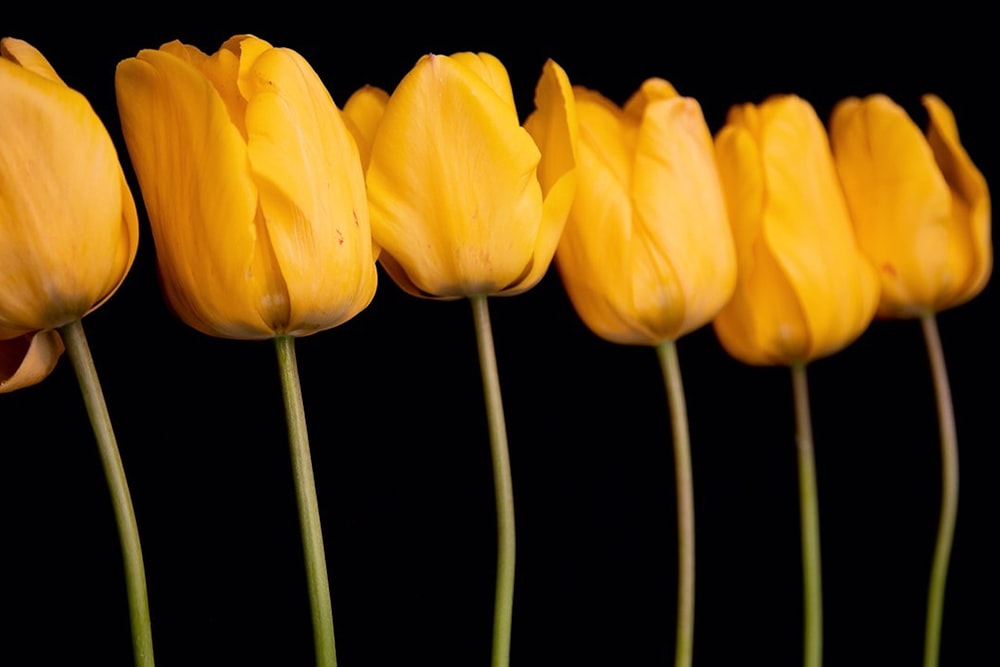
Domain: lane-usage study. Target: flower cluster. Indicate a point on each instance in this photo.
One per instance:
(271, 209)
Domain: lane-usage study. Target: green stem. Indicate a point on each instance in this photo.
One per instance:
(305, 491)
(809, 512)
(667, 352)
(128, 531)
(503, 606)
(949, 491)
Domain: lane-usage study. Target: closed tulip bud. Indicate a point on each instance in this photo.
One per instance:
(647, 253)
(253, 185)
(921, 209)
(463, 201)
(68, 224)
(803, 290)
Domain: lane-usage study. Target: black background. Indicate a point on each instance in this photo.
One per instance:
(398, 431)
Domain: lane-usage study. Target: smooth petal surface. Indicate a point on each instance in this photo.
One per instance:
(455, 201)
(804, 290)
(555, 128)
(28, 359)
(68, 223)
(916, 228)
(363, 113)
(647, 254)
(312, 191)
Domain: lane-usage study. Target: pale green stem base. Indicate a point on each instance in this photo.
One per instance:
(809, 512)
(949, 491)
(667, 352)
(305, 491)
(135, 575)
(503, 606)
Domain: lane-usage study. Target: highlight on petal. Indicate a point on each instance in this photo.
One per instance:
(28, 359)
(75, 213)
(452, 183)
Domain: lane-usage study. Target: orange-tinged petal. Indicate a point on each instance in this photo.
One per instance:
(804, 289)
(28, 359)
(68, 223)
(217, 269)
(312, 191)
(971, 208)
(454, 197)
(555, 128)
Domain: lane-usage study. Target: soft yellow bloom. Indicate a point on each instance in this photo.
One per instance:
(253, 185)
(647, 253)
(463, 201)
(27, 359)
(804, 290)
(921, 209)
(68, 224)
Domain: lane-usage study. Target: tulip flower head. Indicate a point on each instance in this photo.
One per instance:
(804, 290)
(253, 185)
(463, 201)
(68, 223)
(920, 207)
(647, 253)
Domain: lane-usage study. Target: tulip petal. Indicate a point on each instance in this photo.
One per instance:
(63, 195)
(312, 191)
(218, 273)
(28, 359)
(970, 196)
(555, 128)
(452, 182)
(363, 113)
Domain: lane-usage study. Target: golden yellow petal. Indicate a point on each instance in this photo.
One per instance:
(452, 182)
(28, 359)
(651, 90)
(363, 113)
(972, 219)
(808, 230)
(312, 191)
(899, 202)
(192, 166)
(555, 128)
(27, 56)
(684, 259)
(68, 224)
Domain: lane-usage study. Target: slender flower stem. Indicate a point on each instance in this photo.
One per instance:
(305, 491)
(135, 575)
(667, 352)
(949, 491)
(808, 508)
(503, 606)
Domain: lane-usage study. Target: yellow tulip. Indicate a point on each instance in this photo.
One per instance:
(463, 202)
(803, 290)
(68, 224)
(921, 209)
(253, 185)
(647, 253)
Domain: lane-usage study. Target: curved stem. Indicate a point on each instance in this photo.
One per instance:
(135, 576)
(667, 352)
(949, 491)
(503, 606)
(808, 508)
(305, 492)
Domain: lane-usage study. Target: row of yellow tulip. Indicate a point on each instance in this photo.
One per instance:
(269, 206)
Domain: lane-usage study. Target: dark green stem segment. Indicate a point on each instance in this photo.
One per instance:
(305, 492)
(667, 352)
(503, 606)
(949, 491)
(809, 512)
(135, 575)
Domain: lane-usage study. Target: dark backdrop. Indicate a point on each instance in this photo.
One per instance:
(398, 431)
